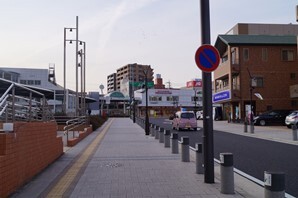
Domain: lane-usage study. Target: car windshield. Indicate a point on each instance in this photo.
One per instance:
(187, 115)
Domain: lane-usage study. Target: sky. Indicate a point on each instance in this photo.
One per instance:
(162, 33)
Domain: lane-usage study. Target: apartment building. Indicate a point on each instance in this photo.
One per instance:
(131, 73)
(250, 64)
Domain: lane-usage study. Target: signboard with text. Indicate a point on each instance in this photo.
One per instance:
(220, 96)
(194, 83)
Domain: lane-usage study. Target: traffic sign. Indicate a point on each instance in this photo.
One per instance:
(207, 58)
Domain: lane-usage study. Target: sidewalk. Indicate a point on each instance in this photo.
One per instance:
(118, 160)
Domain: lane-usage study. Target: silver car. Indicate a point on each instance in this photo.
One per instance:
(292, 119)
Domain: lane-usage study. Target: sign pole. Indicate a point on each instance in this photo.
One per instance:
(207, 100)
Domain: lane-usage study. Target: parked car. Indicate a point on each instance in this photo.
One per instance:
(184, 120)
(272, 117)
(292, 119)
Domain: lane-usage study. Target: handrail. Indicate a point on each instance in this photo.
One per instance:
(73, 124)
(6, 92)
(25, 108)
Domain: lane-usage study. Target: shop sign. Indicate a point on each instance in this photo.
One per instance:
(194, 83)
(163, 92)
(224, 95)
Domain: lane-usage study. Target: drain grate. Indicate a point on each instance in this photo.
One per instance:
(110, 165)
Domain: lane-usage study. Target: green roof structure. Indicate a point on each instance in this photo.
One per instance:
(223, 40)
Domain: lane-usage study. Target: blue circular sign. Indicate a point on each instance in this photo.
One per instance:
(207, 58)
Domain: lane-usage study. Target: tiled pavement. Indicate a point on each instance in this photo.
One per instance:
(126, 163)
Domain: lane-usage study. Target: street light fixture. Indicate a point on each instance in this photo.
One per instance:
(64, 65)
(146, 109)
(82, 64)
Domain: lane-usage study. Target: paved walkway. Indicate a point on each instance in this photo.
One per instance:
(118, 160)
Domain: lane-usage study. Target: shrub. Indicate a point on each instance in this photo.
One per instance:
(96, 121)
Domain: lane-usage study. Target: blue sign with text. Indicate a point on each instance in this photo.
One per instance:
(224, 95)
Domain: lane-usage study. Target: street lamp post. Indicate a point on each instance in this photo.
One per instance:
(76, 65)
(134, 110)
(64, 66)
(195, 100)
(146, 108)
(251, 107)
(82, 64)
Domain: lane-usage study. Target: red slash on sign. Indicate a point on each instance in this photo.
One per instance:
(207, 58)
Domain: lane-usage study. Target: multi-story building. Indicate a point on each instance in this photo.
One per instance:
(111, 83)
(250, 64)
(133, 74)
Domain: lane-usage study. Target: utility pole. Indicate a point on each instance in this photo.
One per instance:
(207, 100)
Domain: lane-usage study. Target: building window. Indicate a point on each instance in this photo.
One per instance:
(287, 55)
(30, 82)
(37, 82)
(257, 82)
(172, 98)
(155, 98)
(24, 82)
(293, 76)
(264, 54)
(245, 54)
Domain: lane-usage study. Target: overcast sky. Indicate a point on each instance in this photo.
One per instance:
(162, 33)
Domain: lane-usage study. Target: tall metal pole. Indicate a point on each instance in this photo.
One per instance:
(82, 65)
(207, 100)
(84, 89)
(146, 110)
(64, 73)
(77, 65)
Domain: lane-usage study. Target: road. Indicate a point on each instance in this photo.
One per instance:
(251, 155)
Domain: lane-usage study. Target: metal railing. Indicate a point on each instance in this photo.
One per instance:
(73, 124)
(14, 107)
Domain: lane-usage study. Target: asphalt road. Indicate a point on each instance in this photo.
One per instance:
(251, 155)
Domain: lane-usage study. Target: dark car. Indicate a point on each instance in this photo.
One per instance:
(272, 117)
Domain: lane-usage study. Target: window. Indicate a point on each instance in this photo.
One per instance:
(172, 98)
(23, 82)
(37, 82)
(257, 82)
(30, 82)
(155, 98)
(293, 76)
(294, 103)
(245, 54)
(264, 54)
(287, 55)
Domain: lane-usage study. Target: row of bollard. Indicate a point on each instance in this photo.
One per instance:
(274, 182)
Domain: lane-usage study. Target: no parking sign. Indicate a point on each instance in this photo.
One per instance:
(207, 58)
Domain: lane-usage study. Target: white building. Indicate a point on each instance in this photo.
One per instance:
(163, 102)
(45, 79)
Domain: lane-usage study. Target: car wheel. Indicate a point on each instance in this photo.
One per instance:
(289, 126)
(262, 122)
(195, 129)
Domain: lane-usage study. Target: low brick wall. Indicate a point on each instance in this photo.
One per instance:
(82, 135)
(25, 152)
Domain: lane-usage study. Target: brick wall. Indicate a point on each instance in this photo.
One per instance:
(26, 152)
(82, 134)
